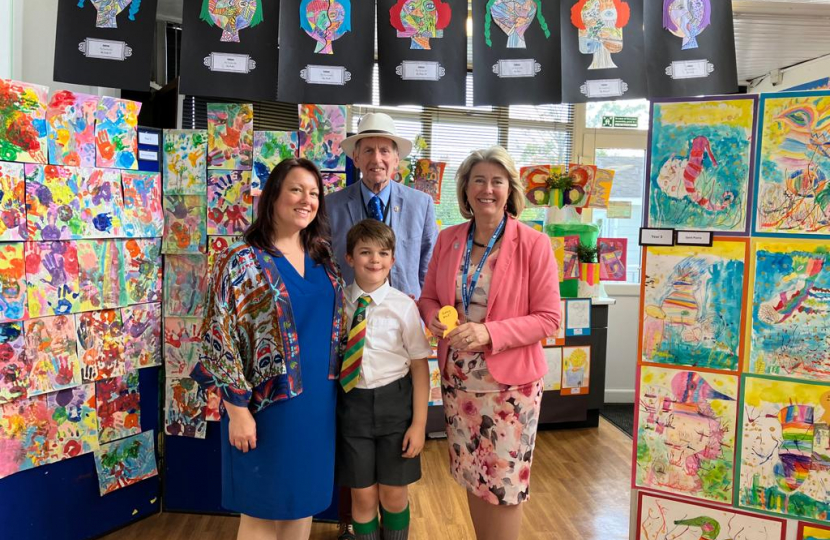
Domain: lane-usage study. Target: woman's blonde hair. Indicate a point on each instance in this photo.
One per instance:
(498, 156)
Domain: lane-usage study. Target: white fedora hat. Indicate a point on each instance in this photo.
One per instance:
(376, 125)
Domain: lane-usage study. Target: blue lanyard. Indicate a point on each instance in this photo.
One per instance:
(467, 292)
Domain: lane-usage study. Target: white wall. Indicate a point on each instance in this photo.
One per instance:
(623, 332)
(794, 76)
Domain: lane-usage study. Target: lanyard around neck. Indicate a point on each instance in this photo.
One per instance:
(467, 292)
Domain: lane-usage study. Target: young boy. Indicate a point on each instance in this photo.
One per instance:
(382, 411)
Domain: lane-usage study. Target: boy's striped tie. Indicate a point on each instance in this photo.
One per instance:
(350, 370)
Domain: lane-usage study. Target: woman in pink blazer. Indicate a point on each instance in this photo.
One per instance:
(501, 277)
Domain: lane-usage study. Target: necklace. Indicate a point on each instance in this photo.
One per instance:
(485, 245)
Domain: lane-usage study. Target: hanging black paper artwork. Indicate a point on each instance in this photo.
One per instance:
(691, 48)
(105, 43)
(602, 50)
(422, 46)
(326, 51)
(229, 49)
(516, 52)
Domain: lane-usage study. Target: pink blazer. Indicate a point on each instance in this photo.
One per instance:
(523, 305)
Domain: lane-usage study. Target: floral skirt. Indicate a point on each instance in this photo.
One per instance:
(491, 436)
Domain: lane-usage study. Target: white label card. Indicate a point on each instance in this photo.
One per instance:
(656, 237)
(148, 155)
(229, 63)
(105, 49)
(420, 71)
(333, 75)
(527, 67)
(601, 88)
(694, 238)
(689, 69)
(147, 137)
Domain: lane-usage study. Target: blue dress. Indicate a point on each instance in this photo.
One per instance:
(290, 474)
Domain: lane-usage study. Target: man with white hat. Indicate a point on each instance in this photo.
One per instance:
(376, 151)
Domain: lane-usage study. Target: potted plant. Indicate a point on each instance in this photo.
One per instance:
(588, 270)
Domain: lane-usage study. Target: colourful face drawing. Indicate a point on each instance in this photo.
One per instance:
(686, 19)
(600, 24)
(232, 16)
(325, 21)
(108, 10)
(514, 18)
(420, 20)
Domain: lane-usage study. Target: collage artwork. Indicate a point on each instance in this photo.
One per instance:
(733, 387)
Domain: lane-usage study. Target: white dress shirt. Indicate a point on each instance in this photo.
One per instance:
(394, 335)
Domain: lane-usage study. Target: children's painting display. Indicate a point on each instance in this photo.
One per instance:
(230, 136)
(784, 448)
(100, 344)
(13, 305)
(185, 224)
(790, 181)
(53, 202)
(101, 203)
(23, 121)
(692, 299)
(667, 518)
(570, 261)
(125, 462)
(143, 215)
(333, 181)
(14, 367)
(807, 531)
(435, 397)
(216, 246)
(428, 176)
(553, 378)
(52, 351)
(229, 204)
(73, 424)
(12, 202)
(576, 370)
(71, 129)
(185, 285)
(685, 426)
(142, 335)
(185, 408)
(612, 257)
(118, 405)
(182, 341)
(322, 128)
(544, 184)
(116, 139)
(142, 264)
(101, 282)
(270, 148)
(790, 309)
(700, 164)
(185, 161)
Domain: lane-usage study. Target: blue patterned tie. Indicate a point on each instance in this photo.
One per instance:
(375, 208)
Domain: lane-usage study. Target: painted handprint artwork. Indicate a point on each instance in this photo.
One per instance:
(116, 138)
(229, 209)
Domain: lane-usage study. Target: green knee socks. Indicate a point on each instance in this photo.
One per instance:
(395, 526)
(367, 531)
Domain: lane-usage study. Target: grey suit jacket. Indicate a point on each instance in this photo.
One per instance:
(411, 216)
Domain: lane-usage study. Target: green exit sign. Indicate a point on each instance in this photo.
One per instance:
(620, 121)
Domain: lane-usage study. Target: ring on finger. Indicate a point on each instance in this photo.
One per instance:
(469, 339)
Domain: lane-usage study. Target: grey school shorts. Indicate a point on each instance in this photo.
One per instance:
(371, 425)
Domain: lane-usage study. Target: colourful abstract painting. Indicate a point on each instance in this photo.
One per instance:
(584, 178)
(185, 285)
(543, 184)
(143, 216)
(23, 121)
(229, 204)
(601, 191)
(184, 411)
(784, 448)
(791, 185)
(118, 404)
(101, 203)
(576, 370)
(686, 20)
(685, 424)
(230, 136)
(216, 246)
(428, 177)
(693, 299)
(813, 532)
(325, 21)
(790, 309)
(116, 138)
(12, 202)
(100, 344)
(70, 127)
(52, 277)
(420, 21)
(600, 26)
(185, 161)
(142, 335)
(322, 129)
(182, 341)
(513, 18)
(13, 306)
(232, 16)
(14, 367)
(185, 224)
(125, 462)
(570, 262)
(53, 202)
(700, 164)
(333, 182)
(142, 263)
(612, 257)
(557, 244)
(75, 420)
(270, 148)
(666, 518)
(101, 282)
(108, 10)
(52, 351)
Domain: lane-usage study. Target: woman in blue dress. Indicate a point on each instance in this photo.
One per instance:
(271, 336)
